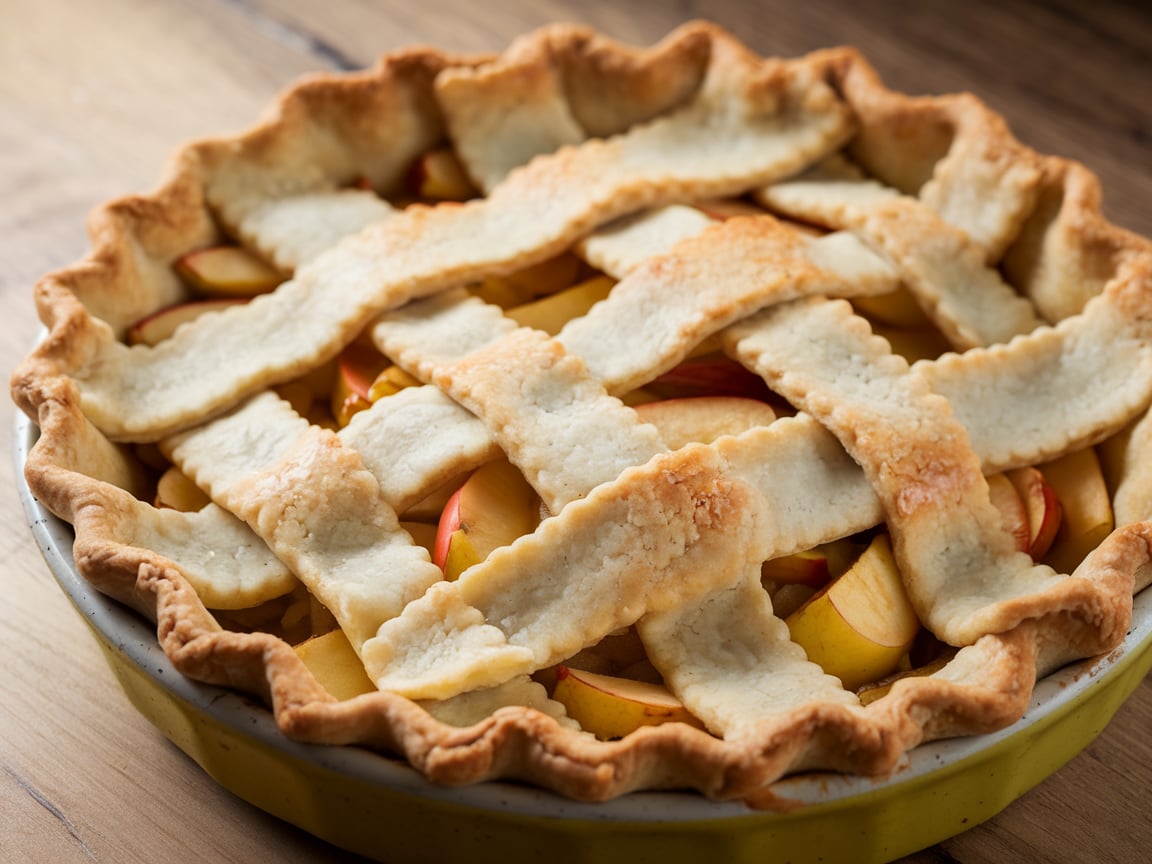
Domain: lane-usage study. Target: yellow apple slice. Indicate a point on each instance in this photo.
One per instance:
(813, 568)
(333, 662)
(703, 419)
(439, 175)
(611, 707)
(861, 625)
(525, 285)
(1013, 511)
(230, 271)
(158, 326)
(176, 490)
(1044, 510)
(1078, 483)
(491, 509)
(896, 309)
(800, 568)
(874, 690)
(552, 312)
(918, 343)
(390, 381)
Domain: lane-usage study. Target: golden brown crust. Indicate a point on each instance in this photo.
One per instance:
(1043, 223)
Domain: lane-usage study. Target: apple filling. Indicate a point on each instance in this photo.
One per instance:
(843, 601)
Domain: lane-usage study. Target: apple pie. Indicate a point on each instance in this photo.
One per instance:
(610, 418)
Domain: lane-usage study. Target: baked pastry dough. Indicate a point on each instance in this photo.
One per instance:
(579, 143)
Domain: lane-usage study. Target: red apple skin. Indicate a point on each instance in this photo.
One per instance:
(154, 328)
(709, 377)
(1044, 510)
(359, 364)
(449, 523)
(227, 271)
(356, 368)
(1013, 510)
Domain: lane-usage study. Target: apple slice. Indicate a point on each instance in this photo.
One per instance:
(616, 652)
(1078, 482)
(713, 375)
(491, 509)
(438, 174)
(1044, 511)
(896, 309)
(422, 534)
(431, 506)
(536, 280)
(160, 325)
(552, 312)
(176, 490)
(356, 369)
(726, 208)
(611, 707)
(703, 419)
(787, 598)
(920, 343)
(800, 568)
(792, 580)
(333, 662)
(391, 380)
(874, 690)
(230, 271)
(861, 625)
(1013, 510)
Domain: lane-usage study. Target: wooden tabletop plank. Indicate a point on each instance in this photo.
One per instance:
(93, 99)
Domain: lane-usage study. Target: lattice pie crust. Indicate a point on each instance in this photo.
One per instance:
(580, 143)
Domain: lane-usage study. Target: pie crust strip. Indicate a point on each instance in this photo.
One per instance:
(228, 565)
(732, 662)
(416, 440)
(1005, 395)
(292, 230)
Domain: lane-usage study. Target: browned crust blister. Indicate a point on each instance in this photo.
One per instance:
(1038, 222)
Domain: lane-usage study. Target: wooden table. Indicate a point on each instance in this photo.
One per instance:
(94, 95)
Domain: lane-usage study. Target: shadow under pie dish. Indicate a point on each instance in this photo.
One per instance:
(792, 219)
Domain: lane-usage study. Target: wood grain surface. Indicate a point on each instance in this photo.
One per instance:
(94, 96)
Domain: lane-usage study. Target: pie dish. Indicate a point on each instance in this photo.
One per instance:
(337, 792)
(790, 218)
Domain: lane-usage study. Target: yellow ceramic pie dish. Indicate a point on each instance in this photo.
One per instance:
(381, 808)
